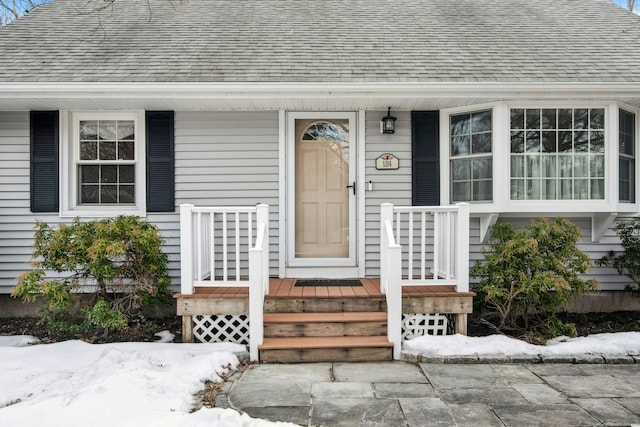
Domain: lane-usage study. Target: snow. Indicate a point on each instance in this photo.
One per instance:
(73, 383)
(620, 343)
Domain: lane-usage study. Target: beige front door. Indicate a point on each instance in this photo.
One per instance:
(323, 191)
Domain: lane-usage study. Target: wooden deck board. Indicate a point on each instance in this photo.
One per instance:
(324, 342)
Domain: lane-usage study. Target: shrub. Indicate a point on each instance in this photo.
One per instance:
(528, 276)
(118, 261)
(628, 262)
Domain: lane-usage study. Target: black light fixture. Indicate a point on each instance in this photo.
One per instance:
(388, 123)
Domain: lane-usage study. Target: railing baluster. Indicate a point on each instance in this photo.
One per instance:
(423, 242)
(225, 241)
(411, 254)
(212, 247)
(199, 246)
(237, 242)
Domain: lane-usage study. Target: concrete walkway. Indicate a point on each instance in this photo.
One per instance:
(430, 394)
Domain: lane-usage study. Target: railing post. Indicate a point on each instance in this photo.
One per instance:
(394, 299)
(262, 217)
(386, 214)
(256, 301)
(462, 247)
(186, 249)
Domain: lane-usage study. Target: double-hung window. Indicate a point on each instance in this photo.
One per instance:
(471, 160)
(557, 154)
(105, 174)
(627, 163)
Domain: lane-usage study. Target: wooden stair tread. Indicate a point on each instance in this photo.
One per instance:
(272, 318)
(324, 342)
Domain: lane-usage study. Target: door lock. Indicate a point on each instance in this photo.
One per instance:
(353, 186)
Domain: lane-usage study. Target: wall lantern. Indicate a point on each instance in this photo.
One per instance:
(388, 123)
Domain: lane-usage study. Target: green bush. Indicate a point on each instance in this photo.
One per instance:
(529, 275)
(628, 262)
(117, 261)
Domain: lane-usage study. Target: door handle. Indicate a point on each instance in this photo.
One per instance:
(353, 186)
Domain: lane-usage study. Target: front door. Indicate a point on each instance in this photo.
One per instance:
(322, 192)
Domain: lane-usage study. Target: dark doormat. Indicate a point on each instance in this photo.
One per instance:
(328, 282)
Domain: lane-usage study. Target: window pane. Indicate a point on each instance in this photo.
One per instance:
(597, 188)
(461, 192)
(460, 145)
(627, 180)
(108, 130)
(517, 142)
(126, 130)
(482, 168)
(482, 190)
(565, 166)
(517, 166)
(481, 122)
(549, 141)
(517, 189)
(596, 119)
(481, 143)
(549, 119)
(549, 168)
(533, 142)
(566, 189)
(517, 118)
(533, 166)
(109, 194)
(596, 143)
(581, 118)
(89, 150)
(581, 166)
(89, 174)
(109, 174)
(581, 189)
(597, 166)
(127, 194)
(460, 125)
(89, 130)
(549, 189)
(107, 150)
(125, 150)
(565, 118)
(533, 189)
(565, 141)
(533, 118)
(127, 174)
(89, 194)
(580, 142)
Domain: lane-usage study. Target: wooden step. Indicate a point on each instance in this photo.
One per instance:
(324, 305)
(326, 349)
(355, 316)
(280, 325)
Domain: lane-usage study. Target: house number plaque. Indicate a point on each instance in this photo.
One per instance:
(387, 161)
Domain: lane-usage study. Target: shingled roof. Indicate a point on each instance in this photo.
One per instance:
(323, 41)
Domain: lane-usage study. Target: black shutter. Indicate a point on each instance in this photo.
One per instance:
(160, 161)
(425, 158)
(44, 133)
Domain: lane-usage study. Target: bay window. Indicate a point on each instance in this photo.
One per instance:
(626, 150)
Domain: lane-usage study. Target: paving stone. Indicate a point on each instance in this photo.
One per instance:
(348, 411)
(525, 358)
(287, 373)
(286, 414)
(491, 396)
(473, 415)
(428, 411)
(409, 356)
(544, 415)
(631, 403)
(379, 372)
(557, 358)
(461, 359)
(341, 389)
(540, 394)
(608, 411)
(402, 390)
(383, 413)
(493, 358)
(554, 369)
(591, 386)
(222, 401)
(463, 376)
(258, 395)
(516, 373)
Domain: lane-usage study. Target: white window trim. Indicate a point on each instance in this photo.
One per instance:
(68, 171)
(501, 151)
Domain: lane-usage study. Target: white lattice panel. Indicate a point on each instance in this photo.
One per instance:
(221, 328)
(418, 324)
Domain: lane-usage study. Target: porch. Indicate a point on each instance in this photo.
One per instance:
(422, 288)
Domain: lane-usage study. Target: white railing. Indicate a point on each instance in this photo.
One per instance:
(227, 247)
(421, 246)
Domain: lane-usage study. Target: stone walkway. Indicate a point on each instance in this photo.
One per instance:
(431, 394)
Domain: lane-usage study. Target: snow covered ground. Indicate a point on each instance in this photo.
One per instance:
(73, 383)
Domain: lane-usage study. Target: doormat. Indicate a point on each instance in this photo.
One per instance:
(328, 282)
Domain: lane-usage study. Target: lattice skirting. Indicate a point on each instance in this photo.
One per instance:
(419, 324)
(221, 328)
